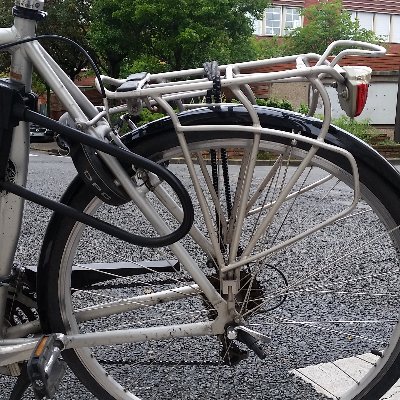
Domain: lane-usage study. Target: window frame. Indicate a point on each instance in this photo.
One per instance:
(262, 28)
(393, 34)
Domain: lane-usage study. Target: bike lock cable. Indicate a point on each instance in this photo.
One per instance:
(132, 158)
(19, 111)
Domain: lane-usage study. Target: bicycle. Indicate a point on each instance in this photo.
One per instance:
(228, 281)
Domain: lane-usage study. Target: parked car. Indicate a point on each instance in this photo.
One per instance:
(40, 134)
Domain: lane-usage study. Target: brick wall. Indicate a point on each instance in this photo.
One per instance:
(289, 3)
(387, 6)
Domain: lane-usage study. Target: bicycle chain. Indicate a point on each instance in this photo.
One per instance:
(212, 71)
(225, 172)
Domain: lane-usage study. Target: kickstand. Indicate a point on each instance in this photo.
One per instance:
(21, 385)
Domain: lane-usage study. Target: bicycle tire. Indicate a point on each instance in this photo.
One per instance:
(380, 185)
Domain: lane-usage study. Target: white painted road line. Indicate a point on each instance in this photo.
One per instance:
(332, 379)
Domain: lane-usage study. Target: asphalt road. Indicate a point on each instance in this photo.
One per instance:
(49, 175)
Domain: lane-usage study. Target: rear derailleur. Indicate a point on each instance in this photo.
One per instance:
(232, 354)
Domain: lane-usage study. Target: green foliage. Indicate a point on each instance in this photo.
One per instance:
(6, 19)
(303, 109)
(387, 142)
(360, 128)
(364, 131)
(268, 48)
(282, 103)
(177, 33)
(147, 116)
(327, 21)
(69, 18)
(146, 63)
(265, 155)
(276, 103)
(38, 85)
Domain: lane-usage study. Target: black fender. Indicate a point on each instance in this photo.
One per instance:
(273, 118)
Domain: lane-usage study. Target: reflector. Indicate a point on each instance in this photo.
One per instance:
(362, 95)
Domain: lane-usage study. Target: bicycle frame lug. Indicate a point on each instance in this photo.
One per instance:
(226, 284)
(80, 126)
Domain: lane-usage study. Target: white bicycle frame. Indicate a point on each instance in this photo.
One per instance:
(14, 347)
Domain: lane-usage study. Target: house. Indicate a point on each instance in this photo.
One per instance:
(380, 16)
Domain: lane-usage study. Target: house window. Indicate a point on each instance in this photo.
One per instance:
(257, 27)
(395, 29)
(292, 19)
(278, 21)
(366, 20)
(382, 26)
(273, 21)
(385, 26)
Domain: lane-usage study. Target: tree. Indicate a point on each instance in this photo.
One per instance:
(69, 18)
(112, 34)
(5, 20)
(175, 33)
(326, 22)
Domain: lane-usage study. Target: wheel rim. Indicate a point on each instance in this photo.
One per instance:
(321, 270)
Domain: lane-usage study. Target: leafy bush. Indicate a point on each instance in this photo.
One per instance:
(303, 109)
(147, 116)
(276, 103)
(145, 63)
(362, 129)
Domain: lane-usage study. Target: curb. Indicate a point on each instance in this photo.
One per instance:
(47, 147)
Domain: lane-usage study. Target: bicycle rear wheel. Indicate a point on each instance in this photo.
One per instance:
(329, 302)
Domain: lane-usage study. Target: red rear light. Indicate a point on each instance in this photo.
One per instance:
(361, 99)
(353, 92)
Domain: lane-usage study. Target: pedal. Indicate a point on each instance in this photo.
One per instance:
(45, 368)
